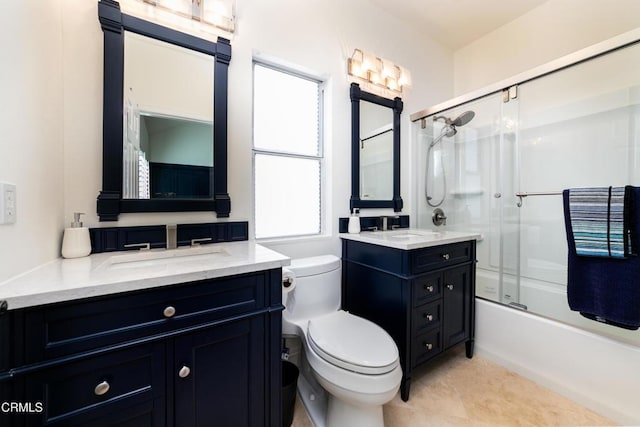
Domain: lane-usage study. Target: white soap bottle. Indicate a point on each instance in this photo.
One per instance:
(76, 242)
(354, 221)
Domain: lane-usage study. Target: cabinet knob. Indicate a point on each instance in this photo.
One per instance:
(450, 287)
(428, 346)
(428, 288)
(184, 372)
(428, 316)
(445, 257)
(169, 312)
(101, 388)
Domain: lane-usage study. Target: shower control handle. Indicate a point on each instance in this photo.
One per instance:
(450, 287)
(438, 217)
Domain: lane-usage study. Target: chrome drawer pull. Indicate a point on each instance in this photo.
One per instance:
(428, 346)
(169, 312)
(445, 257)
(184, 372)
(101, 388)
(450, 287)
(428, 288)
(429, 317)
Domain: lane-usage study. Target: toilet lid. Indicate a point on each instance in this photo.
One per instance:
(353, 343)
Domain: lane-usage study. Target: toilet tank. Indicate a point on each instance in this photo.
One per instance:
(318, 287)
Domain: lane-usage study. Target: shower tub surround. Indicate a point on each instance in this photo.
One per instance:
(130, 337)
(559, 126)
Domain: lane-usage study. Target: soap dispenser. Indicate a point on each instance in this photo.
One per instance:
(76, 242)
(354, 221)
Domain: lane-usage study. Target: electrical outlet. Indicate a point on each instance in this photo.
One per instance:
(7, 203)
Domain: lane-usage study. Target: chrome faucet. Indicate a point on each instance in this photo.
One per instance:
(384, 221)
(172, 236)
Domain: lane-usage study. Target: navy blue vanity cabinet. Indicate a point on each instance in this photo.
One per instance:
(220, 375)
(195, 354)
(424, 298)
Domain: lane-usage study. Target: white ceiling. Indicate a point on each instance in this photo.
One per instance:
(456, 23)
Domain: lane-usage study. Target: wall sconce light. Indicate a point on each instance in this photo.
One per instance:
(378, 71)
(218, 13)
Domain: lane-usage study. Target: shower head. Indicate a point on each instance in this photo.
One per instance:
(449, 128)
(463, 118)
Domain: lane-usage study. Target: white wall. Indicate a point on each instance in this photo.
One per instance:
(316, 36)
(554, 29)
(31, 146)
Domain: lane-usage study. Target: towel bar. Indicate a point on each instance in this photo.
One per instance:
(546, 193)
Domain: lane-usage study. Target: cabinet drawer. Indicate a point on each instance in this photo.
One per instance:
(426, 317)
(440, 256)
(106, 383)
(66, 328)
(427, 288)
(425, 346)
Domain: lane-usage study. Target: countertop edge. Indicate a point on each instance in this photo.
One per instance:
(455, 237)
(56, 281)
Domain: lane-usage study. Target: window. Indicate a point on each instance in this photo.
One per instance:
(287, 153)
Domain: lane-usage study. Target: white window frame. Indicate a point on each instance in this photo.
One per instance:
(319, 157)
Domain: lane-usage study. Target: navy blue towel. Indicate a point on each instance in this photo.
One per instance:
(600, 221)
(605, 289)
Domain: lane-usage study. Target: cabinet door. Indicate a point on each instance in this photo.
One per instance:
(219, 375)
(457, 300)
(118, 388)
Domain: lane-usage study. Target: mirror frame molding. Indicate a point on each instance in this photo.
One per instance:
(110, 202)
(396, 105)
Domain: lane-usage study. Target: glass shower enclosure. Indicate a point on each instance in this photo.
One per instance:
(502, 173)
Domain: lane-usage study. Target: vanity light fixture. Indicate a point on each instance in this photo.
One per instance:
(378, 71)
(218, 13)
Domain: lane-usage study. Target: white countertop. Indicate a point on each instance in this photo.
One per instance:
(113, 272)
(411, 238)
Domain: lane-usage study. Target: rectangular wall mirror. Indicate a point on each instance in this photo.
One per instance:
(375, 150)
(165, 118)
(168, 133)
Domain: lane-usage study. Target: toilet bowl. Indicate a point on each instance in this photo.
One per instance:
(350, 366)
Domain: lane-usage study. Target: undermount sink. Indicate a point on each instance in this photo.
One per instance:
(404, 234)
(155, 257)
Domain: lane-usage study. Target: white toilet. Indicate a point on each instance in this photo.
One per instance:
(350, 366)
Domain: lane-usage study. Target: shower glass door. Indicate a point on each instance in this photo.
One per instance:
(471, 175)
(579, 127)
(501, 174)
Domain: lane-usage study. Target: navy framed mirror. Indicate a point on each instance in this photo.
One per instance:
(164, 118)
(375, 150)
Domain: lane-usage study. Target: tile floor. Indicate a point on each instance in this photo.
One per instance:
(456, 391)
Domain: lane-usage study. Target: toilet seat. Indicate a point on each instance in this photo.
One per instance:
(352, 343)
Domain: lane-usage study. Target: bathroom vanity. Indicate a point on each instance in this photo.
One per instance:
(418, 285)
(145, 338)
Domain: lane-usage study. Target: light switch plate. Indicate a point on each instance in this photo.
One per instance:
(7, 203)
